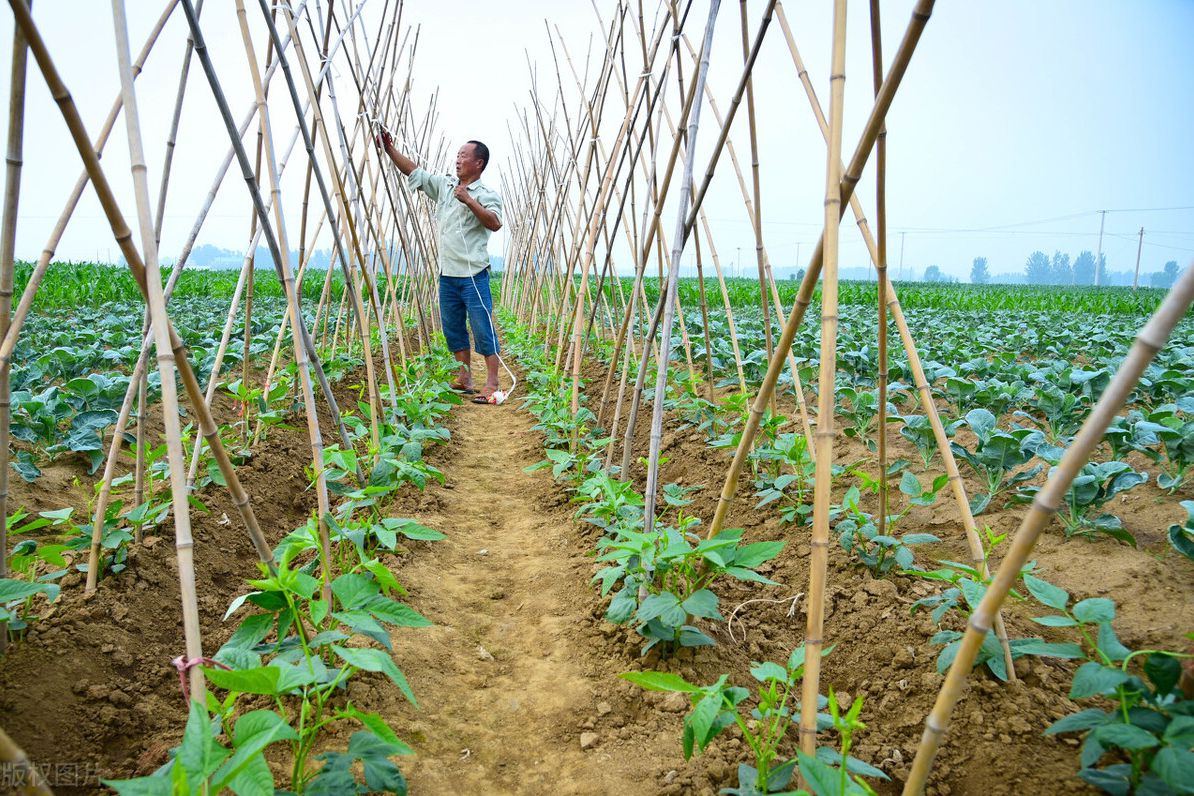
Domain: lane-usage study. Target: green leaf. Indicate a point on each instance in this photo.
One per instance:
(413, 530)
(1126, 736)
(691, 637)
(1035, 646)
(254, 779)
(262, 680)
(1093, 678)
(200, 755)
(665, 606)
(660, 681)
(253, 732)
(764, 672)
(1163, 671)
(752, 555)
(1078, 722)
(1047, 593)
(395, 613)
(142, 786)
(702, 717)
(1094, 610)
(352, 589)
(702, 603)
(380, 772)
(377, 725)
(1113, 779)
(1181, 540)
(1180, 732)
(372, 660)
(1110, 645)
(822, 779)
(909, 485)
(19, 589)
(1175, 767)
(1055, 621)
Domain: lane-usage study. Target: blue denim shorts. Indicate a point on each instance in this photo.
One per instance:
(465, 298)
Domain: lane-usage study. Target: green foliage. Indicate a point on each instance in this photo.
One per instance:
(997, 456)
(1095, 486)
(967, 590)
(1181, 537)
(720, 705)
(665, 577)
(1150, 723)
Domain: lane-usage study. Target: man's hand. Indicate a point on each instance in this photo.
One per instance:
(383, 138)
(461, 193)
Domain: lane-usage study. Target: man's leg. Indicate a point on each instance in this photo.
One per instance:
(491, 374)
(480, 319)
(453, 310)
(464, 376)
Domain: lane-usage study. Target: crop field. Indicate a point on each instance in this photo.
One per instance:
(1012, 382)
(681, 534)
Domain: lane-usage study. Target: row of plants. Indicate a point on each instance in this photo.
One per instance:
(660, 583)
(1148, 722)
(319, 622)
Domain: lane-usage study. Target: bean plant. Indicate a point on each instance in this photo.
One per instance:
(1151, 721)
(720, 705)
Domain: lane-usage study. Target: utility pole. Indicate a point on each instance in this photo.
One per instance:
(1099, 256)
(1139, 246)
(738, 264)
(902, 234)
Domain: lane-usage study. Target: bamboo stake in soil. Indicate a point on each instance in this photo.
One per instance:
(957, 486)
(280, 251)
(183, 543)
(1148, 342)
(881, 269)
(920, 17)
(668, 298)
(814, 640)
(19, 770)
(8, 241)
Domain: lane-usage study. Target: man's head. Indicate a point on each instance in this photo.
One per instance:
(471, 160)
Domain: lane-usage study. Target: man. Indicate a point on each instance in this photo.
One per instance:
(467, 211)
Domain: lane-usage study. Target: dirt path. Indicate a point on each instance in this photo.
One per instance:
(507, 680)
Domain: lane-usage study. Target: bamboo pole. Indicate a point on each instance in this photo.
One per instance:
(757, 215)
(1148, 342)
(881, 270)
(920, 17)
(814, 640)
(668, 298)
(184, 543)
(957, 485)
(699, 198)
(22, 773)
(8, 241)
(280, 251)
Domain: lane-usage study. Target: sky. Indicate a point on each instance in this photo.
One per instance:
(1015, 125)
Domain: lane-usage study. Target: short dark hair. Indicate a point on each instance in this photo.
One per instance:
(481, 151)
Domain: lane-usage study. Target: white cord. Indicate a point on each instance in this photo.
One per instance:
(499, 395)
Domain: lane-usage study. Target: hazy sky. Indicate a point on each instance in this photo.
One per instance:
(1015, 124)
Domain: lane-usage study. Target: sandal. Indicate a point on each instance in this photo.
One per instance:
(485, 399)
(458, 387)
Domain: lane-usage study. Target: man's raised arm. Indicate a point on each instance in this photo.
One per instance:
(386, 142)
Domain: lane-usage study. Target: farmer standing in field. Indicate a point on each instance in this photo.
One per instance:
(466, 211)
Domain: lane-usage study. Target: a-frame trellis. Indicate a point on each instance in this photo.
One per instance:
(533, 257)
(381, 239)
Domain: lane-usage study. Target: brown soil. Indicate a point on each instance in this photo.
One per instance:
(517, 681)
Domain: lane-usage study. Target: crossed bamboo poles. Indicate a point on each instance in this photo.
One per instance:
(362, 259)
(410, 220)
(841, 180)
